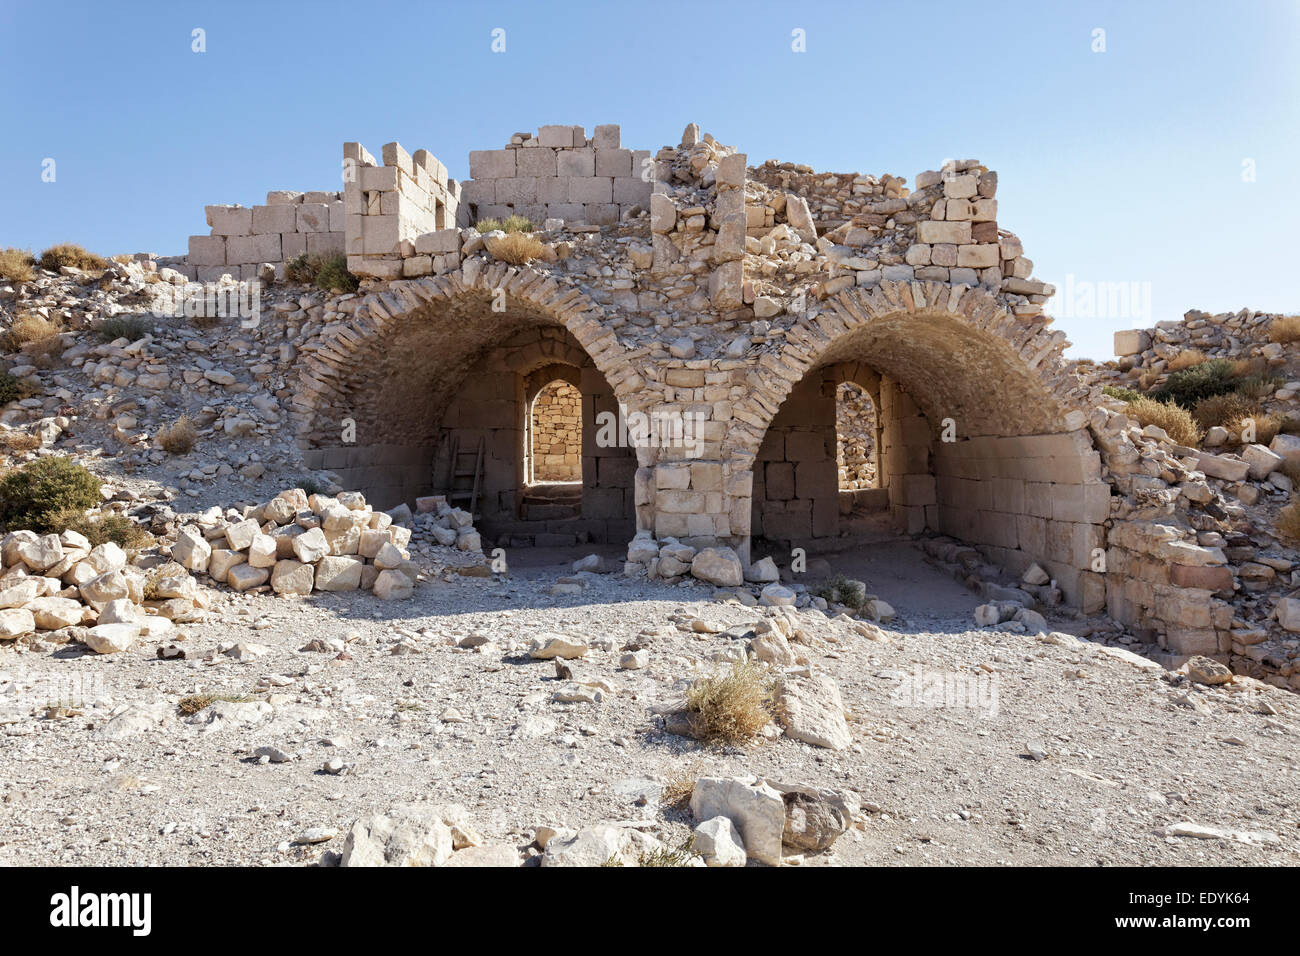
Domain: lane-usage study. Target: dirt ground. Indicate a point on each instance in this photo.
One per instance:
(947, 722)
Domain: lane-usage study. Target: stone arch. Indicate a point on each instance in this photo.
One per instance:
(400, 358)
(1020, 478)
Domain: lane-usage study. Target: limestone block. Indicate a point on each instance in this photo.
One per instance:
(207, 251)
(229, 220)
(555, 136)
(957, 233)
(576, 163)
(605, 137)
(977, 256)
(535, 162)
(961, 187)
(492, 163)
(278, 218)
(313, 217)
(613, 162)
(254, 249)
(632, 191)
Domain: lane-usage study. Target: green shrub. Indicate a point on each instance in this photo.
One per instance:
(842, 590)
(1188, 386)
(1123, 394)
(70, 254)
(309, 485)
(130, 327)
(13, 388)
(332, 275)
(32, 496)
(302, 268)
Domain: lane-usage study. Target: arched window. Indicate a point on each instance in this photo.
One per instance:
(856, 430)
(555, 431)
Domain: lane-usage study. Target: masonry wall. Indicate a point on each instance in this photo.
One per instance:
(243, 238)
(559, 174)
(492, 405)
(1029, 498)
(556, 433)
(401, 216)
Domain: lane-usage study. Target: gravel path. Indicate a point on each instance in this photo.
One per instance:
(121, 777)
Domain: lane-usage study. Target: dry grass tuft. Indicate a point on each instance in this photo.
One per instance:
(1265, 424)
(197, 702)
(16, 265)
(71, 254)
(14, 440)
(516, 248)
(678, 789)
(36, 337)
(1177, 421)
(178, 438)
(1288, 521)
(1285, 329)
(1185, 359)
(1219, 409)
(731, 708)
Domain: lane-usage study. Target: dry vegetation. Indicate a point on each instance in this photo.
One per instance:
(14, 440)
(1185, 359)
(36, 337)
(731, 708)
(516, 248)
(179, 437)
(1288, 521)
(1177, 421)
(71, 254)
(16, 265)
(1285, 329)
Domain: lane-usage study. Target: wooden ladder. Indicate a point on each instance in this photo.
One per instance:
(457, 473)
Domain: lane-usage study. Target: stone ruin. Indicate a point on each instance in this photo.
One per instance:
(728, 305)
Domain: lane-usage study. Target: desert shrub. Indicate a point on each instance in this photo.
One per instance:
(1185, 359)
(516, 248)
(16, 265)
(510, 224)
(102, 528)
(1188, 386)
(733, 707)
(33, 495)
(1288, 521)
(130, 327)
(1285, 329)
(16, 440)
(332, 274)
(309, 485)
(842, 590)
(70, 254)
(1265, 424)
(1219, 409)
(1177, 421)
(36, 337)
(179, 437)
(13, 388)
(1123, 394)
(302, 268)
(1258, 386)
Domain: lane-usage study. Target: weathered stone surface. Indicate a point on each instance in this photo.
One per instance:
(810, 710)
(405, 835)
(720, 566)
(757, 811)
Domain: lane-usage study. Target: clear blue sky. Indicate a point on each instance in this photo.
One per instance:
(1122, 166)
